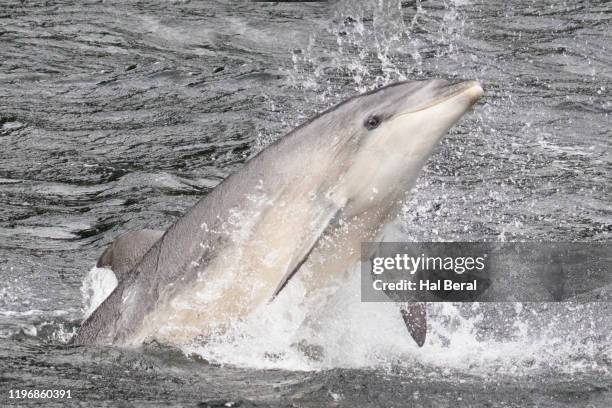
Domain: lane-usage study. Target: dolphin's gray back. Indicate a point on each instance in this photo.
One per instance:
(193, 239)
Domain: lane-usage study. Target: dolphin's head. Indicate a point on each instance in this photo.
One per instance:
(388, 134)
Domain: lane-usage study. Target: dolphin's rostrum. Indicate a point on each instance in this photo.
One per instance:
(301, 207)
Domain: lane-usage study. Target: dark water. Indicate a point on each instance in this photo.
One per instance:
(119, 116)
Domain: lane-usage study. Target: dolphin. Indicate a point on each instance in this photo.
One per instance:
(300, 207)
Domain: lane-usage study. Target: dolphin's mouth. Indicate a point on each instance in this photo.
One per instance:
(472, 89)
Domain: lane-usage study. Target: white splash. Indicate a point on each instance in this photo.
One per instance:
(355, 334)
(97, 285)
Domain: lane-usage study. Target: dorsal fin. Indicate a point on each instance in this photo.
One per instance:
(124, 252)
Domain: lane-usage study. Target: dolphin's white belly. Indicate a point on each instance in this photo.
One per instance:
(241, 277)
(244, 275)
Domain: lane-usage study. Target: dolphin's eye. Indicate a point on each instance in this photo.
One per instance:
(372, 122)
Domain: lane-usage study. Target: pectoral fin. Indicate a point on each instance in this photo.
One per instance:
(326, 217)
(415, 318)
